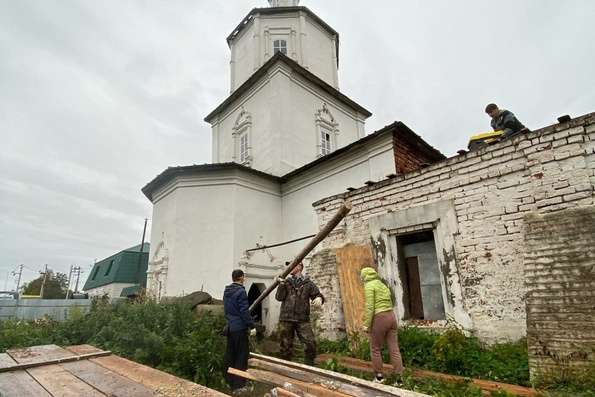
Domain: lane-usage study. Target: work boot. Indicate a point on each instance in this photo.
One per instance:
(379, 379)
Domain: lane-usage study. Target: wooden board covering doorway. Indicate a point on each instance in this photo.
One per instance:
(350, 261)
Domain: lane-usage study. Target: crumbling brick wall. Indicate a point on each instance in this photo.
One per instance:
(410, 153)
(560, 279)
(492, 189)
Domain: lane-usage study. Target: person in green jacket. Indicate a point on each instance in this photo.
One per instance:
(380, 322)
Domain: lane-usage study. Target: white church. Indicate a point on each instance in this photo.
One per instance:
(283, 139)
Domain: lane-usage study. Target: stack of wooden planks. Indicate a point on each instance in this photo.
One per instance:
(289, 379)
(50, 371)
(486, 386)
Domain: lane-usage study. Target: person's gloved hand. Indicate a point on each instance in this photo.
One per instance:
(253, 332)
(281, 280)
(317, 302)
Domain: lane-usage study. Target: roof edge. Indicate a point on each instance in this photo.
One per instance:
(296, 67)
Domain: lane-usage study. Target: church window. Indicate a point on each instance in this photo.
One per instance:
(327, 130)
(280, 46)
(241, 138)
(325, 143)
(244, 148)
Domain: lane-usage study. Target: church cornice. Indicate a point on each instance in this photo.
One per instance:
(297, 69)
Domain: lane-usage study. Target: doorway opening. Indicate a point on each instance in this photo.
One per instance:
(420, 277)
(253, 293)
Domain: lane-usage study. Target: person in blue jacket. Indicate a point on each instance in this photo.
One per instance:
(239, 325)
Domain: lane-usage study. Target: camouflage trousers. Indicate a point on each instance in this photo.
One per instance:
(288, 330)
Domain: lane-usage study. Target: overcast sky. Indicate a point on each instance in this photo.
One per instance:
(98, 97)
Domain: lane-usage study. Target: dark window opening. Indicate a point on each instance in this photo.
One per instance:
(253, 294)
(109, 268)
(95, 273)
(420, 276)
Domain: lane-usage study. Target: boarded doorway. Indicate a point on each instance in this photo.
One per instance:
(420, 276)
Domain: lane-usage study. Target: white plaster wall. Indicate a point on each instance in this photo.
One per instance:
(112, 290)
(372, 162)
(216, 216)
(307, 43)
(283, 134)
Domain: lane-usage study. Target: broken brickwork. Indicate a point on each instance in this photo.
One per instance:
(480, 200)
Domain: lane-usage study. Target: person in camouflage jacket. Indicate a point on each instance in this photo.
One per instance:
(295, 293)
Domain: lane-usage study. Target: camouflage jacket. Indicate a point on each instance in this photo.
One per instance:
(295, 295)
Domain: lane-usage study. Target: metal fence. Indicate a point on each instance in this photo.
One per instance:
(33, 309)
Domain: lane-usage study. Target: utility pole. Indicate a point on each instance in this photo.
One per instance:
(77, 270)
(45, 276)
(68, 286)
(20, 273)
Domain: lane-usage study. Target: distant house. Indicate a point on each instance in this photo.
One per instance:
(121, 274)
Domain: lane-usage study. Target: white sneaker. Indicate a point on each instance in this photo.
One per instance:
(379, 379)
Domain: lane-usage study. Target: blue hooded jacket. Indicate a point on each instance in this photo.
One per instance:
(235, 304)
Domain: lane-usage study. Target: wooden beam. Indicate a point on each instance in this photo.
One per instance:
(309, 377)
(341, 377)
(485, 385)
(285, 382)
(34, 364)
(325, 231)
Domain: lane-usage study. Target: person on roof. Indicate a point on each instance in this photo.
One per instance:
(295, 294)
(504, 120)
(239, 325)
(380, 322)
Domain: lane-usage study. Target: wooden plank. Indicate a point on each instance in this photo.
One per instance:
(106, 381)
(340, 377)
(305, 376)
(6, 361)
(416, 307)
(159, 381)
(350, 261)
(20, 384)
(280, 392)
(17, 367)
(283, 381)
(61, 383)
(485, 385)
(38, 354)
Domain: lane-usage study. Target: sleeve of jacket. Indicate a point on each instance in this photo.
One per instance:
(315, 293)
(244, 307)
(281, 293)
(369, 294)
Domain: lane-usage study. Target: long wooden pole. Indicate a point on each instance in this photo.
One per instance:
(325, 231)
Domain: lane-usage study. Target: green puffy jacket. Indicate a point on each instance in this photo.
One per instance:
(378, 298)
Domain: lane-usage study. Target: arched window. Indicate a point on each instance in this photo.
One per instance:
(327, 130)
(241, 136)
(280, 46)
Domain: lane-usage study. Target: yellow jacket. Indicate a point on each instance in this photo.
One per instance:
(377, 294)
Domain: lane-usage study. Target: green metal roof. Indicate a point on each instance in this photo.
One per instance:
(130, 291)
(122, 267)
